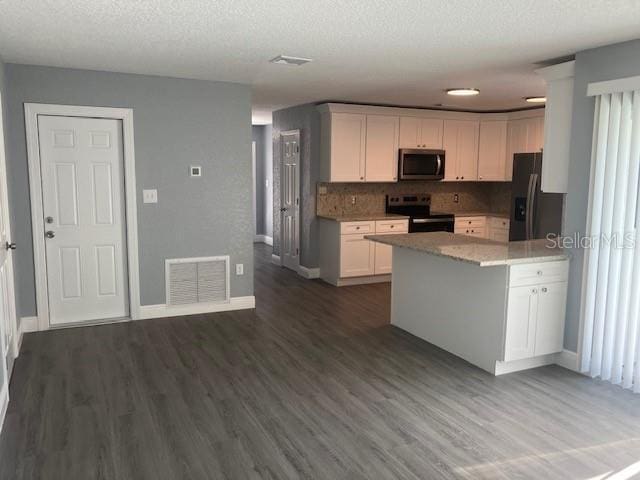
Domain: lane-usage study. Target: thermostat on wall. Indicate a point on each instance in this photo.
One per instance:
(195, 170)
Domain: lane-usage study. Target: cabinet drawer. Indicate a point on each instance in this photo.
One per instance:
(392, 226)
(357, 227)
(470, 222)
(498, 223)
(535, 273)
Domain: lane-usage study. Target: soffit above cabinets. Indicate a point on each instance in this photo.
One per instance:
(426, 113)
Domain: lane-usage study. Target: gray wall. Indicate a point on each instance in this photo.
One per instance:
(305, 118)
(177, 123)
(605, 63)
(264, 176)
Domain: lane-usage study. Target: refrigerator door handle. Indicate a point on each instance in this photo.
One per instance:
(531, 202)
(527, 218)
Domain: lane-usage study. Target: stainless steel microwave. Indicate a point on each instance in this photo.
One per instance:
(420, 164)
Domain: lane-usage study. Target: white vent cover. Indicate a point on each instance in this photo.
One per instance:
(197, 280)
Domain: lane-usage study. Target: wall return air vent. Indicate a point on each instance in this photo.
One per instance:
(197, 280)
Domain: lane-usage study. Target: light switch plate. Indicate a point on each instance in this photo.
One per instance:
(195, 170)
(322, 190)
(150, 196)
(239, 269)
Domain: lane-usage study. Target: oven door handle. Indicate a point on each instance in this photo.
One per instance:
(439, 171)
(431, 220)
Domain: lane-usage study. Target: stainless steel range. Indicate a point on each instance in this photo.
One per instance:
(418, 208)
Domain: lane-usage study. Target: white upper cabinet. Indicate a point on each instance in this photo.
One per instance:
(343, 147)
(421, 132)
(460, 142)
(524, 135)
(410, 132)
(492, 153)
(557, 126)
(381, 152)
(359, 143)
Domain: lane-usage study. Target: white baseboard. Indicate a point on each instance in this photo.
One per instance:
(526, 363)
(263, 239)
(28, 324)
(568, 360)
(276, 259)
(163, 310)
(309, 273)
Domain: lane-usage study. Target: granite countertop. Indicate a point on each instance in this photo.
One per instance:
(364, 217)
(485, 253)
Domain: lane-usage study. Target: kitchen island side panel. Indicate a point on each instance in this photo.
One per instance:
(457, 306)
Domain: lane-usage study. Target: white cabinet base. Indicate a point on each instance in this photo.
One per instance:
(472, 319)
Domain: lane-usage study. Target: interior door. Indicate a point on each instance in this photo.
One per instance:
(290, 206)
(8, 324)
(84, 214)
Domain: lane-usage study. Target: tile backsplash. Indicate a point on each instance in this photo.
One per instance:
(369, 198)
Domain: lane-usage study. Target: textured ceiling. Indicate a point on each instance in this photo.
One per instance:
(403, 52)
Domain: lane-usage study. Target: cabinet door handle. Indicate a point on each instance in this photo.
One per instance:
(544, 289)
(539, 272)
(534, 290)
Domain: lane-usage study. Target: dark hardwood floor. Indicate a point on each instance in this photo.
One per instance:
(312, 384)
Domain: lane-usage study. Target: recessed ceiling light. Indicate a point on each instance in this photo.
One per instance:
(463, 92)
(287, 60)
(535, 99)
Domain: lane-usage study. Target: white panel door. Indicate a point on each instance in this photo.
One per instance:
(521, 323)
(552, 304)
(382, 148)
(348, 137)
(84, 218)
(8, 327)
(290, 201)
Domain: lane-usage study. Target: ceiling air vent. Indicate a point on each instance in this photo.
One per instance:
(197, 280)
(287, 60)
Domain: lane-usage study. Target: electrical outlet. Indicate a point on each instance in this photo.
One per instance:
(456, 198)
(353, 199)
(150, 196)
(322, 190)
(239, 269)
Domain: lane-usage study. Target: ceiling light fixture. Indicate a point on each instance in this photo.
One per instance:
(535, 99)
(463, 92)
(287, 60)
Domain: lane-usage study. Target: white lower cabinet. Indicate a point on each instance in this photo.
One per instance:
(384, 254)
(357, 256)
(492, 228)
(552, 304)
(345, 255)
(536, 313)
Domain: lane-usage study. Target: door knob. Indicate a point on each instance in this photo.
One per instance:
(49, 234)
(49, 219)
(10, 246)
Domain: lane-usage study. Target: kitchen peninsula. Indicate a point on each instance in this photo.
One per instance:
(500, 306)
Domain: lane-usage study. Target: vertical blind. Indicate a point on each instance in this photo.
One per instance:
(610, 307)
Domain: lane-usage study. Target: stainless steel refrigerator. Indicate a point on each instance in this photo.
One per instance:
(534, 214)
